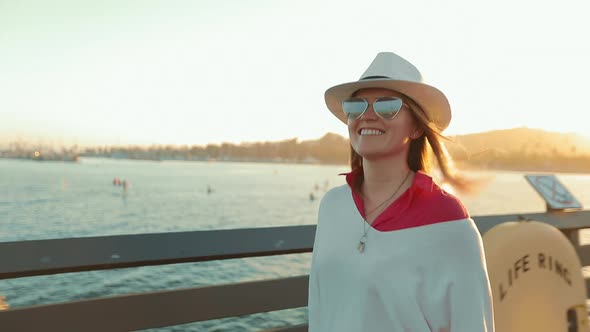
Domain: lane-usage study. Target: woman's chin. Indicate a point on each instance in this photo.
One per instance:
(377, 152)
(369, 154)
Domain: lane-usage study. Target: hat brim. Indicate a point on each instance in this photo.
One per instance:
(433, 101)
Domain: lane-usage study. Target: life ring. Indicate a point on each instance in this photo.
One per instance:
(536, 279)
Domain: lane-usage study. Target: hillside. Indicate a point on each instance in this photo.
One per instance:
(523, 149)
(524, 141)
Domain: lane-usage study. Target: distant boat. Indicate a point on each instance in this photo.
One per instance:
(38, 156)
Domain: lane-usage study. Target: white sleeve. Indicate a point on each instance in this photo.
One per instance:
(470, 302)
(457, 296)
(469, 292)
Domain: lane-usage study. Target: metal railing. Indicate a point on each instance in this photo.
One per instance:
(173, 307)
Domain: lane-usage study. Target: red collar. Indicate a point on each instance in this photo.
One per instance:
(421, 181)
(422, 204)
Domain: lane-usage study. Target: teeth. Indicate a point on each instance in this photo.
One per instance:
(367, 132)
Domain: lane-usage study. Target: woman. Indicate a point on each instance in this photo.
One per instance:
(393, 251)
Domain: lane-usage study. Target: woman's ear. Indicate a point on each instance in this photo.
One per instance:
(417, 133)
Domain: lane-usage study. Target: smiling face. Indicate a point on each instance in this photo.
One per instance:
(373, 137)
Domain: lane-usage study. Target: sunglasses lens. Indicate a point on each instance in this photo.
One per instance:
(354, 107)
(387, 107)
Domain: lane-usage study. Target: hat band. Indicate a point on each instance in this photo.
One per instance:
(374, 77)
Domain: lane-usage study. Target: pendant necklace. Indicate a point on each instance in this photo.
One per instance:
(363, 239)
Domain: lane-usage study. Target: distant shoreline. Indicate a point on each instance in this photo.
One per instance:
(460, 165)
(518, 149)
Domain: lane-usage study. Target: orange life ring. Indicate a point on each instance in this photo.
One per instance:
(536, 279)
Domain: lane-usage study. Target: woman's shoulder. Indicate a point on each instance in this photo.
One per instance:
(444, 205)
(453, 205)
(335, 203)
(337, 192)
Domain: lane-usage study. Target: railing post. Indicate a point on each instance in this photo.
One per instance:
(574, 236)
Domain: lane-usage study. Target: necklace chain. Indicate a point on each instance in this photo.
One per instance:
(363, 239)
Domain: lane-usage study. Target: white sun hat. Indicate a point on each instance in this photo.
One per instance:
(390, 71)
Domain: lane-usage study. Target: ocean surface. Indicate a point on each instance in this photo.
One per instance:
(44, 200)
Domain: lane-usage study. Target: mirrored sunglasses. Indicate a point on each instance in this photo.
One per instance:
(385, 107)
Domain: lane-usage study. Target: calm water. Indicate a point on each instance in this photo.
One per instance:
(58, 200)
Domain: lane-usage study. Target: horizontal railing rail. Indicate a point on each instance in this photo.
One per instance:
(42, 257)
(173, 307)
(159, 309)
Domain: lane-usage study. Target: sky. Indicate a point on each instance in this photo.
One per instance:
(198, 72)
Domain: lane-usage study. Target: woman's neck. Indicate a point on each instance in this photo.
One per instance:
(381, 175)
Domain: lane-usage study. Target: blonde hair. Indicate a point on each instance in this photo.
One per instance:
(421, 149)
